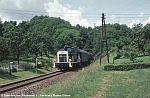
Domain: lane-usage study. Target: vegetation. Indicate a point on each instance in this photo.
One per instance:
(126, 67)
(125, 64)
(43, 35)
(94, 82)
(81, 85)
(16, 76)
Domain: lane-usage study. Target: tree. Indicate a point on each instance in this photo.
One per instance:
(1, 29)
(130, 52)
(147, 47)
(14, 36)
(4, 50)
(66, 36)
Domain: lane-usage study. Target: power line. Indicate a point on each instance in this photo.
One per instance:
(125, 14)
(90, 15)
(127, 17)
(125, 5)
(132, 7)
(32, 12)
(25, 11)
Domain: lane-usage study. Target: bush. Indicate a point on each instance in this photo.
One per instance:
(4, 67)
(133, 56)
(47, 64)
(25, 66)
(125, 67)
(147, 48)
(130, 52)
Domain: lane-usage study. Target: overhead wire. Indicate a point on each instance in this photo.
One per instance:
(85, 14)
(125, 6)
(143, 8)
(91, 16)
(132, 7)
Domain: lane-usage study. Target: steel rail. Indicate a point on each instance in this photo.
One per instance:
(14, 85)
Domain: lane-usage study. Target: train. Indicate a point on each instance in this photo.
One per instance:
(72, 58)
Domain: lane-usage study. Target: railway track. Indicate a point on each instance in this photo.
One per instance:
(14, 85)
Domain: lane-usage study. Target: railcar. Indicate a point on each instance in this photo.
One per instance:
(70, 58)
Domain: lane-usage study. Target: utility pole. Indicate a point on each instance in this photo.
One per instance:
(103, 39)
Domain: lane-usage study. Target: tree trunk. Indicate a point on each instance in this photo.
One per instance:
(18, 56)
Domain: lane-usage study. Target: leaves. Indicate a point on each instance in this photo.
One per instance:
(43, 35)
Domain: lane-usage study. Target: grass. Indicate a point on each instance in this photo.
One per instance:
(16, 76)
(80, 88)
(94, 82)
(82, 84)
(139, 60)
(131, 84)
(25, 62)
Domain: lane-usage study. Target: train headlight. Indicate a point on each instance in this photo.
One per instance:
(54, 61)
(70, 65)
(69, 60)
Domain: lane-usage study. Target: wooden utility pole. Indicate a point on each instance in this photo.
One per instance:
(103, 39)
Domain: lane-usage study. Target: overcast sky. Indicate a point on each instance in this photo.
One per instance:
(83, 12)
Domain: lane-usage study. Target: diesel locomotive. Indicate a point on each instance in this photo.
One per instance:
(70, 58)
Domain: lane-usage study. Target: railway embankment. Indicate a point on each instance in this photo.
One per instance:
(95, 82)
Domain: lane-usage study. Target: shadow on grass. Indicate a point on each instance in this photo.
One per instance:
(9, 77)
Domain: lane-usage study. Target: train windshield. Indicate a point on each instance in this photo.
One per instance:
(62, 58)
(69, 49)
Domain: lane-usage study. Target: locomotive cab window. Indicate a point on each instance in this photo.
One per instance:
(69, 49)
(62, 58)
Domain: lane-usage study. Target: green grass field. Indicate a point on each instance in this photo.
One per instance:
(27, 62)
(6, 78)
(94, 82)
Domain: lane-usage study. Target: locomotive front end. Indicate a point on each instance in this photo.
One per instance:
(72, 58)
(63, 61)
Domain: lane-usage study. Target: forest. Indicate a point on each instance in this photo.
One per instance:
(44, 35)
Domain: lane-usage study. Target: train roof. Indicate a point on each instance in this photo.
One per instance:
(71, 49)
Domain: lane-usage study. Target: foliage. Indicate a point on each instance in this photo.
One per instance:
(126, 67)
(44, 35)
(147, 47)
(47, 64)
(124, 64)
(130, 52)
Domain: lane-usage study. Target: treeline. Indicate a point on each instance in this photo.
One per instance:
(44, 35)
(130, 43)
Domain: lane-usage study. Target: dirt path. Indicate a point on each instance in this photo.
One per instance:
(104, 84)
(104, 87)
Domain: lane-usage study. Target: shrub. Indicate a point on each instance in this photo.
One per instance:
(47, 64)
(125, 67)
(25, 66)
(147, 48)
(133, 56)
(130, 52)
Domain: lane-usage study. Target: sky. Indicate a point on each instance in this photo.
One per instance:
(83, 12)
